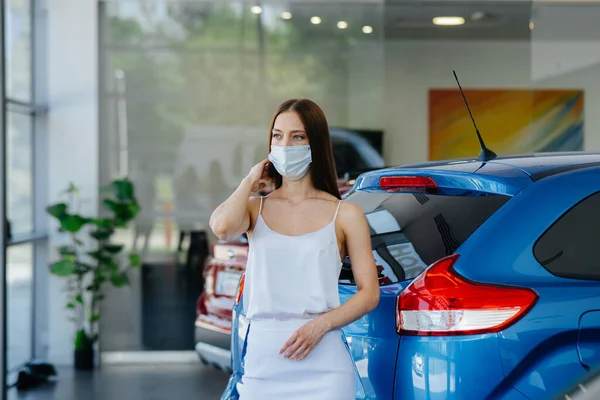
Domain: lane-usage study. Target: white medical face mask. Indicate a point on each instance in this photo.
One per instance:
(293, 162)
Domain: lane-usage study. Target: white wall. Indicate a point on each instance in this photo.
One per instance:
(366, 85)
(72, 135)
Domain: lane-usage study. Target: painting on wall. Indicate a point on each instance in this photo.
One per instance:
(511, 121)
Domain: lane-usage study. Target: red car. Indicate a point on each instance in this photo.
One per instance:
(213, 322)
(225, 268)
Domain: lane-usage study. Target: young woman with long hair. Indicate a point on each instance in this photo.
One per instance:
(299, 234)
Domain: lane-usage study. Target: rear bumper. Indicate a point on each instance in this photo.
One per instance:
(450, 368)
(214, 348)
(214, 338)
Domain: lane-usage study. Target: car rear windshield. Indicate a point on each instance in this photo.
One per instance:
(411, 231)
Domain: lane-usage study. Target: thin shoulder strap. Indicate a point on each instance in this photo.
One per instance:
(260, 207)
(337, 210)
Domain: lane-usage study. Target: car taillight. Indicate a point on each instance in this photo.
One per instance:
(408, 183)
(240, 290)
(201, 306)
(440, 302)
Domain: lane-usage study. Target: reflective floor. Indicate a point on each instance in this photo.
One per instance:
(133, 382)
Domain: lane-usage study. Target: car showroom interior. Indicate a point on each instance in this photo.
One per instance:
(465, 131)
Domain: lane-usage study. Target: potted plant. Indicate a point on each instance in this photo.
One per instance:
(90, 259)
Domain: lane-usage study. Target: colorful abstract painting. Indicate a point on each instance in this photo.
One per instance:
(511, 121)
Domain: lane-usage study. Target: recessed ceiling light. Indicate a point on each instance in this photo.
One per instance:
(478, 16)
(448, 21)
(286, 15)
(315, 20)
(256, 9)
(367, 29)
(342, 24)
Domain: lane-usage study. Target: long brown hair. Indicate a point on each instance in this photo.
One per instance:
(323, 174)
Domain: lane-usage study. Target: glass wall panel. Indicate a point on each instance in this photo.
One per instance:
(18, 50)
(17, 156)
(19, 171)
(19, 278)
(189, 90)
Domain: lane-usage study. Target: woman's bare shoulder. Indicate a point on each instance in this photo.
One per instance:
(253, 204)
(350, 212)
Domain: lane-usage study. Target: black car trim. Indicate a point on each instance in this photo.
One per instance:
(559, 170)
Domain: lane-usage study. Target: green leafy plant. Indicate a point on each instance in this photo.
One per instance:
(89, 264)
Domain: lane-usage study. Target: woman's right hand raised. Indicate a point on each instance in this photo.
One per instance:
(258, 175)
(232, 217)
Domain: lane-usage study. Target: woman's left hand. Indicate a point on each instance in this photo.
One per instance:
(304, 339)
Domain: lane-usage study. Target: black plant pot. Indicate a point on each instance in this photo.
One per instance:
(84, 359)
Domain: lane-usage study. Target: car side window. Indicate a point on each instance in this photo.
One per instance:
(569, 248)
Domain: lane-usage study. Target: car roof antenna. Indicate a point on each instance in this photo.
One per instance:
(485, 154)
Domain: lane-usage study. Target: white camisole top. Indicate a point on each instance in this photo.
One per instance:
(289, 276)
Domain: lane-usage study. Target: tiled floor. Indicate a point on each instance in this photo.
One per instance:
(133, 382)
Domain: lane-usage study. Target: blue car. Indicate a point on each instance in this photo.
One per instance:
(489, 274)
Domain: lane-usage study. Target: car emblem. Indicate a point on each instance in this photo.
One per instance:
(230, 254)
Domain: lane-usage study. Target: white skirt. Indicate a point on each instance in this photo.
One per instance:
(327, 373)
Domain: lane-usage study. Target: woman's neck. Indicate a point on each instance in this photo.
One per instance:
(299, 190)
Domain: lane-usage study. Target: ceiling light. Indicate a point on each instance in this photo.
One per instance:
(478, 16)
(315, 20)
(256, 9)
(342, 24)
(531, 25)
(448, 21)
(286, 15)
(367, 29)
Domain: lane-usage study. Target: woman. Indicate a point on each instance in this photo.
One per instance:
(299, 235)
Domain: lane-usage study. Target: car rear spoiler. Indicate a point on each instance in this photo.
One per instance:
(355, 173)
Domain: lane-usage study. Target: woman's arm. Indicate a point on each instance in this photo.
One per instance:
(358, 244)
(232, 218)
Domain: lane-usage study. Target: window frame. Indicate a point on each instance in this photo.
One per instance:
(36, 110)
(3, 244)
